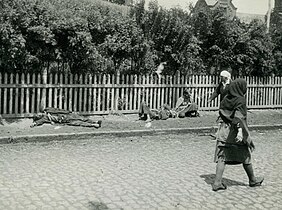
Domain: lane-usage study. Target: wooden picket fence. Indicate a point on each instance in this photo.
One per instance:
(26, 94)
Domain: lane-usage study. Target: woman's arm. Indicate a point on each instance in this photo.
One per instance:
(243, 130)
(215, 93)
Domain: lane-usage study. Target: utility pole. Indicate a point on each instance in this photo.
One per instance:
(268, 16)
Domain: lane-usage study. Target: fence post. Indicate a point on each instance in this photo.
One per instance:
(272, 90)
(178, 89)
(117, 91)
(43, 96)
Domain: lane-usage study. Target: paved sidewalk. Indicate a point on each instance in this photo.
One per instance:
(165, 172)
(126, 125)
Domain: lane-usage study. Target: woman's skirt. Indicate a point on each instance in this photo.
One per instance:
(230, 153)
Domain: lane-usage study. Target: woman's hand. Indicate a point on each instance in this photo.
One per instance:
(252, 146)
(239, 137)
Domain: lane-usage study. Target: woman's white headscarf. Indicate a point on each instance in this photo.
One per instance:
(227, 75)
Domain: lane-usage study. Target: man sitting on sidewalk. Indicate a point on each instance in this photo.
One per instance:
(60, 116)
(185, 107)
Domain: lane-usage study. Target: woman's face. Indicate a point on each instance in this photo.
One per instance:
(186, 95)
(223, 79)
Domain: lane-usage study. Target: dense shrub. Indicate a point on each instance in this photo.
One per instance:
(95, 36)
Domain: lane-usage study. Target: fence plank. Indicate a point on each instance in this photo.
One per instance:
(75, 94)
(253, 91)
(122, 93)
(99, 93)
(147, 89)
(95, 94)
(10, 106)
(80, 94)
(90, 95)
(50, 90)
(127, 92)
(38, 94)
(108, 91)
(177, 94)
(22, 95)
(65, 90)
(71, 98)
(60, 91)
(139, 92)
(103, 93)
(56, 92)
(272, 81)
(43, 97)
(208, 81)
(135, 93)
(131, 97)
(85, 94)
(32, 96)
(27, 103)
(171, 98)
(5, 94)
(113, 93)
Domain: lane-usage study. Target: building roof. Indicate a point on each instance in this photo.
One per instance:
(211, 2)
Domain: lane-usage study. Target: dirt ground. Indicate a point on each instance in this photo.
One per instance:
(120, 122)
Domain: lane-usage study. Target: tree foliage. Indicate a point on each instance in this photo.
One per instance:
(90, 36)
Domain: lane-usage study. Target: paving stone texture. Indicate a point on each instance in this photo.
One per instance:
(149, 172)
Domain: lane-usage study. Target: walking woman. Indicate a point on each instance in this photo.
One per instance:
(234, 145)
(222, 89)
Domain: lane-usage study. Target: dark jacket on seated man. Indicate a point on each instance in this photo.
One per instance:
(185, 107)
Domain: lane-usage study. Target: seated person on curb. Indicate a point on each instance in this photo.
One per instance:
(60, 116)
(185, 107)
(145, 113)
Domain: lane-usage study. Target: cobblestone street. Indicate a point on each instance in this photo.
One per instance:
(151, 172)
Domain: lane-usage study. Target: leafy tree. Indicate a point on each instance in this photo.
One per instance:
(91, 36)
(259, 50)
(276, 35)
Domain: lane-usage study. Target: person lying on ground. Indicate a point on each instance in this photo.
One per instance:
(145, 113)
(185, 107)
(60, 116)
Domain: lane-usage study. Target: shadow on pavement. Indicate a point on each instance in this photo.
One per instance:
(209, 179)
(10, 120)
(97, 206)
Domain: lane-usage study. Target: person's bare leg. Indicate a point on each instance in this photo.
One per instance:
(148, 118)
(218, 185)
(253, 181)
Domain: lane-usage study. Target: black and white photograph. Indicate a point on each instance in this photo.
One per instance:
(140, 104)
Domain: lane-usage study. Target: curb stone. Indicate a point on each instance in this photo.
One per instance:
(126, 133)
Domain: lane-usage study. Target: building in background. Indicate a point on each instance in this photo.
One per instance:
(276, 16)
(230, 9)
(278, 5)
(211, 5)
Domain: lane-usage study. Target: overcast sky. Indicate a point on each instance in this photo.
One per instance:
(244, 6)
